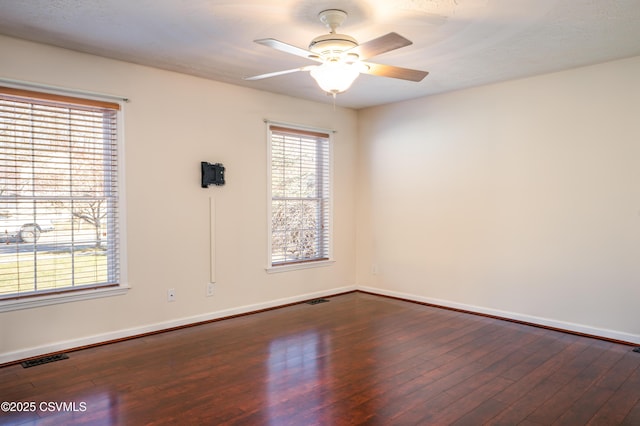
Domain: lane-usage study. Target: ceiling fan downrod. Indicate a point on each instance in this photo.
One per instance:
(332, 18)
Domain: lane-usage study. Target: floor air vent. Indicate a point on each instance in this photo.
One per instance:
(316, 301)
(44, 360)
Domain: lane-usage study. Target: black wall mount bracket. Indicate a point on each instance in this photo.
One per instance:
(212, 174)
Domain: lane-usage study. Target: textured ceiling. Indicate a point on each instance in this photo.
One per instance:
(462, 43)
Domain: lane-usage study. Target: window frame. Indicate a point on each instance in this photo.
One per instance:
(311, 263)
(71, 294)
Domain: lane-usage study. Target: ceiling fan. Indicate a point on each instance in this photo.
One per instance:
(341, 59)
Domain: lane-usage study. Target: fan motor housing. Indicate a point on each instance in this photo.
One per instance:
(332, 44)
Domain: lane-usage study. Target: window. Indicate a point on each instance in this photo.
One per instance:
(300, 192)
(59, 202)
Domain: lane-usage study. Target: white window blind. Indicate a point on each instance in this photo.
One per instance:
(58, 194)
(300, 208)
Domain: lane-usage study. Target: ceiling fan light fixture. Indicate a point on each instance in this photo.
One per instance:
(341, 58)
(335, 77)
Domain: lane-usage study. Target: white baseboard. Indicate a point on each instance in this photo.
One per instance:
(151, 328)
(546, 322)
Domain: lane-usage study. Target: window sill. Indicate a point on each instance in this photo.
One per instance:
(53, 299)
(297, 266)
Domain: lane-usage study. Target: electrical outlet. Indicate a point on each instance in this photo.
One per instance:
(171, 295)
(209, 289)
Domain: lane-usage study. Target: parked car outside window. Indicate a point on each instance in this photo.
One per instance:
(21, 230)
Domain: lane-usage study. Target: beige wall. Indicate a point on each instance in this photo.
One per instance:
(172, 123)
(520, 199)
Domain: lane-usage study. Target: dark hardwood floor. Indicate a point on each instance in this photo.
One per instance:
(358, 359)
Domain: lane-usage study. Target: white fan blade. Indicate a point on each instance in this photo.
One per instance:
(382, 44)
(393, 72)
(273, 74)
(288, 48)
